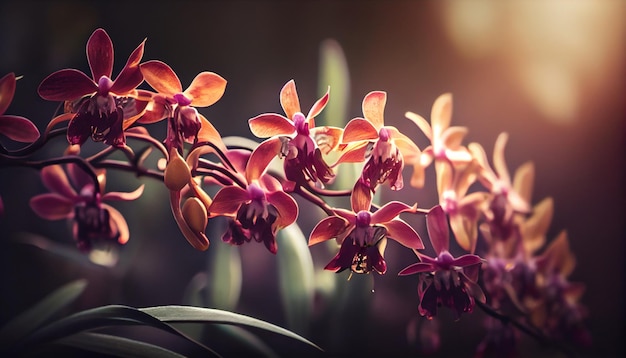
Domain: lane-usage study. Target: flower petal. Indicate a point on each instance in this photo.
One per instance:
(467, 260)
(499, 164)
(130, 77)
(421, 123)
(403, 233)
(270, 124)
(261, 158)
(286, 206)
(534, 229)
(374, 108)
(437, 225)
(318, 106)
(328, 228)
(208, 133)
(100, 54)
(161, 77)
(18, 129)
(228, 200)
(55, 179)
(289, 99)
(390, 211)
(119, 222)
(441, 114)
(206, 89)
(7, 90)
(327, 138)
(416, 268)
(353, 153)
(121, 196)
(51, 206)
(361, 198)
(523, 181)
(66, 85)
(465, 231)
(359, 129)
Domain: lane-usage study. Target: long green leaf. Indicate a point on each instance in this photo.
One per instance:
(115, 345)
(224, 277)
(105, 316)
(41, 312)
(209, 315)
(296, 277)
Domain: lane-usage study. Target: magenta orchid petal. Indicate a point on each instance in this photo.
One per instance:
(119, 196)
(228, 200)
(286, 206)
(100, 54)
(437, 225)
(55, 179)
(328, 228)
(403, 233)
(467, 260)
(271, 124)
(80, 178)
(118, 222)
(52, 206)
(66, 85)
(18, 129)
(417, 268)
(359, 129)
(348, 215)
(374, 107)
(130, 77)
(391, 210)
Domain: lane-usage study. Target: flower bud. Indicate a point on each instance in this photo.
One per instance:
(195, 214)
(177, 173)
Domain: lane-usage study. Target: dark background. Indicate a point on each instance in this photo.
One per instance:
(550, 74)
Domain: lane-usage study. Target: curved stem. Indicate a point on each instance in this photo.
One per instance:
(313, 199)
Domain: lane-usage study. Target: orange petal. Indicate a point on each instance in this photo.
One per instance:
(270, 124)
(353, 153)
(390, 211)
(161, 77)
(453, 136)
(318, 106)
(499, 163)
(327, 138)
(374, 108)
(441, 114)
(286, 206)
(55, 179)
(120, 223)
(120, 196)
(328, 228)
(523, 181)
(261, 158)
(421, 124)
(206, 89)
(464, 232)
(404, 234)
(361, 198)
(7, 90)
(359, 129)
(208, 133)
(289, 99)
(534, 229)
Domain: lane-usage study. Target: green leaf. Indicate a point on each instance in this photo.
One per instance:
(118, 346)
(334, 72)
(41, 312)
(296, 277)
(246, 342)
(209, 315)
(225, 277)
(105, 316)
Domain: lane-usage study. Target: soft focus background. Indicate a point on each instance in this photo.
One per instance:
(549, 73)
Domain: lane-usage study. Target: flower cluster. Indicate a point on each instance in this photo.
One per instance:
(497, 235)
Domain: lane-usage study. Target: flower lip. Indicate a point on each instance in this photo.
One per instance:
(445, 260)
(104, 85)
(384, 135)
(181, 99)
(256, 193)
(301, 124)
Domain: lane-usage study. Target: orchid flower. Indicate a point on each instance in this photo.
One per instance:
(16, 128)
(444, 279)
(387, 147)
(296, 138)
(445, 141)
(257, 210)
(179, 106)
(76, 197)
(110, 108)
(363, 235)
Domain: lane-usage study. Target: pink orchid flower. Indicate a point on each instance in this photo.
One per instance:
(444, 279)
(363, 235)
(445, 141)
(109, 109)
(296, 138)
(77, 198)
(16, 128)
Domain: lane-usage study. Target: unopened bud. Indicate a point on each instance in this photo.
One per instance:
(195, 214)
(177, 173)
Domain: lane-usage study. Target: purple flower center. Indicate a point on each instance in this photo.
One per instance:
(301, 124)
(104, 85)
(363, 218)
(384, 135)
(445, 260)
(181, 99)
(256, 194)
